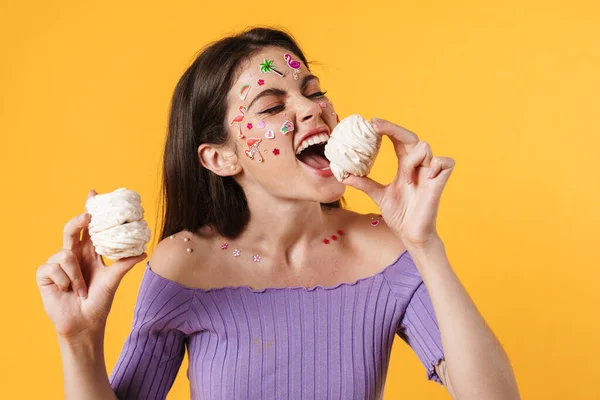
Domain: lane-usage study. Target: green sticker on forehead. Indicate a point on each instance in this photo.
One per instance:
(267, 66)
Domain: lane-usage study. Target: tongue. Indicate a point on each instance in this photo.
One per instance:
(313, 159)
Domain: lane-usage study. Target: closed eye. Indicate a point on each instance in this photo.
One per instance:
(317, 94)
(272, 110)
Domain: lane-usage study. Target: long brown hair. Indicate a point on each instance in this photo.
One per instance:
(193, 196)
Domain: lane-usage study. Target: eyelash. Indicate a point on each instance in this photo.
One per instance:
(275, 109)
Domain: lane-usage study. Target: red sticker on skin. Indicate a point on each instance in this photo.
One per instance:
(249, 126)
(334, 237)
(374, 223)
(261, 82)
(276, 152)
(326, 241)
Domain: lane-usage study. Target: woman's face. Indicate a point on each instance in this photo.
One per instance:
(273, 106)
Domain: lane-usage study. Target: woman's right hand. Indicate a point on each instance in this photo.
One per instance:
(77, 267)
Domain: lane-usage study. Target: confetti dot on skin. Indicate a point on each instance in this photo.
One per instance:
(340, 232)
(334, 237)
(249, 126)
(261, 82)
(276, 152)
(326, 241)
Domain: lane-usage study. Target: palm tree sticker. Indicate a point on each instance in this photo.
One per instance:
(267, 66)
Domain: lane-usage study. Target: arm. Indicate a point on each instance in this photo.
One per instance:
(475, 361)
(84, 368)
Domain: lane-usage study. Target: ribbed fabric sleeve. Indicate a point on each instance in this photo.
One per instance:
(418, 326)
(155, 347)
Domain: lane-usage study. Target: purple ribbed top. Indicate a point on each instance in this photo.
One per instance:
(323, 342)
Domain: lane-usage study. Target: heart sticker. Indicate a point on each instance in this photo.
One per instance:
(270, 134)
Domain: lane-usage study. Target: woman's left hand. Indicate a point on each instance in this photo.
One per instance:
(409, 207)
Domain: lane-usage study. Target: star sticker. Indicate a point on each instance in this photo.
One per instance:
(276, 152)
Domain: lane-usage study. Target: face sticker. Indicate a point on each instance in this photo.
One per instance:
(253, 149)
(322, 104)
(287, 126)
(276, 152)
(249, 126)
(270, 134)
(244, 91)
(261, 124)
(238, 119)
(293, 64)
(260, 82)
(267, 67)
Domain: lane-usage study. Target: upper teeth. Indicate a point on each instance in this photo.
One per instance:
(314, 139)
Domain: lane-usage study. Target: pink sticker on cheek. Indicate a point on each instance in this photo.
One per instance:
(270, 134)
(287, 126)
(261, 124)
(322, 104)
(249, 126)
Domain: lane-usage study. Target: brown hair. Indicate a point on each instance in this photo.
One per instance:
(193, 196)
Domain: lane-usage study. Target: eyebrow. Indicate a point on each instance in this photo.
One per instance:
(279, 92)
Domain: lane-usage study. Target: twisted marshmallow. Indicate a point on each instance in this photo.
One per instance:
(352, 147)
(117, 228)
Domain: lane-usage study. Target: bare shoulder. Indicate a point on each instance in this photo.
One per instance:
(181, 256)
(370, 232)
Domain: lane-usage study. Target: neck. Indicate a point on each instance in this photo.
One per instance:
(285, 230)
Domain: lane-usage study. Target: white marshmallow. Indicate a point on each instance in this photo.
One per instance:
(117, 228)
(352, 147)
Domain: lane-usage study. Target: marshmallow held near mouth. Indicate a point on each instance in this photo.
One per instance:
(352, 147)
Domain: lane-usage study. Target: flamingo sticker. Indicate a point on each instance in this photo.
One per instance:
(253, 148)
(267, 66)
(238, 119)
(293, 64)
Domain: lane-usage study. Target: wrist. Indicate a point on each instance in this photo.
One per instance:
(425, 254)
(87, 336)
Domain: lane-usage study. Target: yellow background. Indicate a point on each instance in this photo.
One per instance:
(508, 90)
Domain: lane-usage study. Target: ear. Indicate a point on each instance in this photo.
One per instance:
(219, 159)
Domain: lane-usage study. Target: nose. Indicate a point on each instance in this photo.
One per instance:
(308, 109)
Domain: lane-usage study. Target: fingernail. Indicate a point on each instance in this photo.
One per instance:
(375, 122)
(82, 293)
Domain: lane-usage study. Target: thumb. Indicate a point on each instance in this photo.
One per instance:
(122, 266)
(372, 188)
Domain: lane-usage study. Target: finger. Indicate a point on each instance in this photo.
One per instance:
(439, 164)
(70, 265)
(403, 139)
(85, 235)
(72, 230)
(120, 268)
(372, 188)
(421, 155)
(52, 274)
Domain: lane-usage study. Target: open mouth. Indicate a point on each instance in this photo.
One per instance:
(314, 157)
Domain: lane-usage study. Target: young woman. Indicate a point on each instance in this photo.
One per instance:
(276, 291)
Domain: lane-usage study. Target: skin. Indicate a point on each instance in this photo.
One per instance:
(288, 224)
